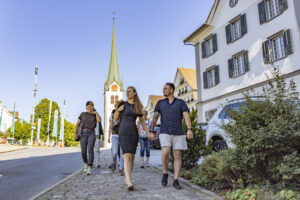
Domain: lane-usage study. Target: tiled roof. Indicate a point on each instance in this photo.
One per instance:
(155, 98)
(189, 74)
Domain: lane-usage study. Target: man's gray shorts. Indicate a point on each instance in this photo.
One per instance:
(178, 142)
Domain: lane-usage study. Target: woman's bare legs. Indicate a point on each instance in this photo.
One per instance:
(127, 168)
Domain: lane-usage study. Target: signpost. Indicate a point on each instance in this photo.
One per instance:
(54, 131)
(62, 121)
(38, 130)
(12, 130)
(50, 109)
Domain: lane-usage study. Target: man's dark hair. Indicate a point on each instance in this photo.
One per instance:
(171, 85)
(89, 103)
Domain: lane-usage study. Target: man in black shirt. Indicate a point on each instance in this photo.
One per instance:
(172, 110)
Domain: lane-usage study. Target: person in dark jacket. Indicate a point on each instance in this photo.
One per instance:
(89, 122)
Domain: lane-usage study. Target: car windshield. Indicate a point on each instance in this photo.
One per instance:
(225, 114)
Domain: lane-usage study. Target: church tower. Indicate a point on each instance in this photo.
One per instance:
(113, 89)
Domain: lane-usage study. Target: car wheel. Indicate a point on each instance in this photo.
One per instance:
(219, 145)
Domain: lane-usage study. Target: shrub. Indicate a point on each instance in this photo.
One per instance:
(257, 193)
(266, 135)
(218, 171)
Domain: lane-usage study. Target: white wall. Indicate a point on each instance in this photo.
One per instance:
(252, 42)
(6, 121)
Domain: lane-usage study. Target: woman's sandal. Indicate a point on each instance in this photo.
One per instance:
(130, 187)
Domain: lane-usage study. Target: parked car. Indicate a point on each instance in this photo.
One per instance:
(214, 131)
(156, 143)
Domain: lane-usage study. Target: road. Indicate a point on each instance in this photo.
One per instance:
(27, 172)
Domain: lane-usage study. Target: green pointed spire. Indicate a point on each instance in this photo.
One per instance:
(113, 73)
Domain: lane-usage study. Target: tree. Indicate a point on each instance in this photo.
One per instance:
(22, 130)
(42, 112)
(69, 134)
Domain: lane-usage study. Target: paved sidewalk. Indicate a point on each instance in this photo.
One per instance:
(4, 148)
(104, 184)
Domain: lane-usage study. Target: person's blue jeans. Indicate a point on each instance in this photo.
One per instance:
(114, 150)
(145, 145)
(87, 143)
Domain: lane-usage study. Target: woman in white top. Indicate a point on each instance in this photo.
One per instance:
(145, 143)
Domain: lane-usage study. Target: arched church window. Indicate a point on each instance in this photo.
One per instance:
(116, 98)
(112, 99)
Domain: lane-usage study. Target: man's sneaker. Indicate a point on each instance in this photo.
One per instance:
(176, 184)
(164, 180)
(85, 167)
(89, 170)
(121, 172)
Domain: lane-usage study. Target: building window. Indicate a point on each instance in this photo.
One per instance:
(211, 77)
(238, 64)
(181, 81)
(269, 9)
(112, 99)
(116, 98)
(277, 47)
(272, 9)
(236, 28)
(209, 46)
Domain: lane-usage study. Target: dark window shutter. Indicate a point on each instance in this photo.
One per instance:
(228, 33)
(244, 24)
(215, 43)
(203, 49)
(246, 60)
(230, 67)
(265, 50)
(217, 75)
(283, 4)
(288, 42)
(205, 80)
(262, 12)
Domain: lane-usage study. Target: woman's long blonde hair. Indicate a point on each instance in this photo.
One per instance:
(138, 106)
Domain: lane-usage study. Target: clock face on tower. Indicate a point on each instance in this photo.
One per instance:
(232, 3)
(114, 87)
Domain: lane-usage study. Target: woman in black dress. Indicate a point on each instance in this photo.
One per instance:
(128, 134)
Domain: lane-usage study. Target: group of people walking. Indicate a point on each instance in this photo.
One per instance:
(130, 125)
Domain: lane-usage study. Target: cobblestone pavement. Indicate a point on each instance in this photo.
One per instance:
(104, 184)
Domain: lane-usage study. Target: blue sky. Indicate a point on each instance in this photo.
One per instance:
(70, 42)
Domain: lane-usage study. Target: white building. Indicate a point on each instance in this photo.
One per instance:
(185, 82)
(5, 118)
(151, 103)
(113, 89)
(234, 47)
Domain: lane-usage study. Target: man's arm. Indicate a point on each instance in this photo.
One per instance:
(154, 120)
(187, 119)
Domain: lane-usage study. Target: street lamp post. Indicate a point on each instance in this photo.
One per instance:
(33, 107)
(50, 108)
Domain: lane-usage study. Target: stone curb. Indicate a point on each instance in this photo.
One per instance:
(53, 186)
(13, 150)
(195, 187)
